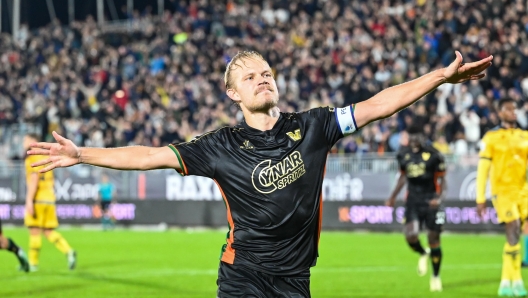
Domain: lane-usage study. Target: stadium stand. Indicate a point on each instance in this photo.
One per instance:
(160, 79)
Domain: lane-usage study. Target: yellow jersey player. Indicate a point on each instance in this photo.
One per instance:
(504, 158)
(41, 216)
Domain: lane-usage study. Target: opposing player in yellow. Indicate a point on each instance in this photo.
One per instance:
(504, 158)
(41, 216)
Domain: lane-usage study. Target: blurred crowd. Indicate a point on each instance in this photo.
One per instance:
(159, 79)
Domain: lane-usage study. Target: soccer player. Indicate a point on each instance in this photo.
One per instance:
(269, 169)
(40, 214)
(106, 194)
(9, 245)
(503, 158)
(422, 168)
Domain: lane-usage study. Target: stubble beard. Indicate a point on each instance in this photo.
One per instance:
(264, 107)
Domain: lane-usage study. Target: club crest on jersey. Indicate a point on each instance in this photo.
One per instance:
(295, 136)
(267, 178)
(426, 155)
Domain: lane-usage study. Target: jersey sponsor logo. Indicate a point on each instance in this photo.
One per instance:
(267, 178)
(426, 156)
(295, 136)
(415, 169)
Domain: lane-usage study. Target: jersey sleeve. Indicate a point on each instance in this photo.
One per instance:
(197, 157)
(486, 148)
(32, 159)
(401, 164)
(440, 167)
(337, 122)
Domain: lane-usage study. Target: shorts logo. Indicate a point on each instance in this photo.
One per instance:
(267, 178)
(295, 136)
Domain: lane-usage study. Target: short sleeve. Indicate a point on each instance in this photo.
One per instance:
(440, 166)
(401, 164)
(30, 160)
(336, 122)
(199, 156)
(486, 148)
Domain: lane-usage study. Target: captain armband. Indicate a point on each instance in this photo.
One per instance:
(345, 119)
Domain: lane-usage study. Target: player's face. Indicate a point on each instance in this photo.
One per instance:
(507, 113)
(415, 141)
(255, 88)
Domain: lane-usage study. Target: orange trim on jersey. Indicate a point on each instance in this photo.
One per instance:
(228, 256)
(320, 224)
(436, 176)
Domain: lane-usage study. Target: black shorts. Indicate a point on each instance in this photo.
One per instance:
(238, 281)
(433, 219)
(105, 205)
(0, 227)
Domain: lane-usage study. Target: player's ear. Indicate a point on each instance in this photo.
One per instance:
(233, 95)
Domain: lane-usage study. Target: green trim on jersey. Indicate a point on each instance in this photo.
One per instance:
(179, 159)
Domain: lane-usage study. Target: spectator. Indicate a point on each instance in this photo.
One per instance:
(161, 80)
(471, 123)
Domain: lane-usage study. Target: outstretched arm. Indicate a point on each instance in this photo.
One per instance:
(396, 98)
(65, 153)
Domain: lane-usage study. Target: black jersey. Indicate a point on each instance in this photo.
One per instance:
(422, 170)
(271, 182)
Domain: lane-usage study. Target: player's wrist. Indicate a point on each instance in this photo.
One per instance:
(79, 155)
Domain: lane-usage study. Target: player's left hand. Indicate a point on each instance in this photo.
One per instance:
(481, 208)
(458, 72)
(64, 153)
(434, 203)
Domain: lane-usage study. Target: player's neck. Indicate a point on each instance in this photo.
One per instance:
(262, 121)
(416, 149)
(508, 125)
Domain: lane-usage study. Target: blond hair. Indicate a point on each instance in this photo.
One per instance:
(234, 63)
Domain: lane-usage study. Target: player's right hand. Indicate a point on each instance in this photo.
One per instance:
(390, 202)
(62, 154)
(30, 210)
(481, 208)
